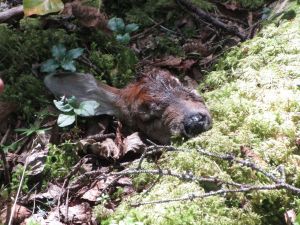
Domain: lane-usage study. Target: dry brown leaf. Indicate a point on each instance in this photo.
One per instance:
(36, 161)
(133, 143)
(249, 153)
(175, 62)
(124, 181)
(21, 213)
(88, 16)
(78, 214)
(169, 61)
(93, 193)
(53, 193)
(290, 217)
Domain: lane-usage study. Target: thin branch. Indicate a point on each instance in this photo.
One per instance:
(209, 18)
(213, 193)
(3, 156)
(18, 193)
(10, 13)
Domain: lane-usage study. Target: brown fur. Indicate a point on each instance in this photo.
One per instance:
(156, 104)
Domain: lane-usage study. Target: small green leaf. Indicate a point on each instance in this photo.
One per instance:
(87, 108)
(131, 27)
(49, 66)
(74, 53)
(116, 24)
(123, 38)
(68, 65)
(65, 120)
(58, 51)
(62, 106)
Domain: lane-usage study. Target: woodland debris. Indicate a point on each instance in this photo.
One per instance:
(11, 13)
(53, 193)
(199, 13)
(133, 143)
(88, 16)
(290, 217)
(20, 214)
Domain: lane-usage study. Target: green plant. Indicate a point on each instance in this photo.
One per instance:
(71, 110)
(61, 59)
(121, 30)
(33, 128)
(60, 160)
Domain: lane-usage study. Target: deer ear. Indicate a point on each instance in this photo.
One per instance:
(84, 87)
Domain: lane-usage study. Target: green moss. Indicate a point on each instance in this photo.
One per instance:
(60, 160)
(254, 99)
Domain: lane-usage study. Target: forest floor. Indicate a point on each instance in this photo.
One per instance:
(242, 171)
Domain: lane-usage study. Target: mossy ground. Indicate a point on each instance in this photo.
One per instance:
(254, 98)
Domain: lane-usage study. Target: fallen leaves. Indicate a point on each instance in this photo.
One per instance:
(88, 16)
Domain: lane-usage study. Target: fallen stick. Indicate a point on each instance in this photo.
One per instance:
(207, 17)
(10, 13)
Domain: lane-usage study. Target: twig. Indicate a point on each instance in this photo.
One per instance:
(10, 13)
(18, 193)
(200, 13)
(213, 193)
(2, 153)
(100, 137)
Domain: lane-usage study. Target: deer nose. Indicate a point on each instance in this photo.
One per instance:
(196, 124)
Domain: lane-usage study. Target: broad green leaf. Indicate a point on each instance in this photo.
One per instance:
(131, 27)
(68, 65)
(74, 53)
(42, 7)
(58, 52)
(123, 38)
(62, 106)
(65, 120)
(87, 108)
(49, 66)
(116, 24)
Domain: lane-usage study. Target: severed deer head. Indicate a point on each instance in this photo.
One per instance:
(157, 104)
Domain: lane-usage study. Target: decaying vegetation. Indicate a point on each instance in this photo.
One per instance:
(242, 56)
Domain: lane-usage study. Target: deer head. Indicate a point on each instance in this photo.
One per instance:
(157, 104)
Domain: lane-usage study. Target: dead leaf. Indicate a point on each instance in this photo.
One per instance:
(88, 16)
(249, 153)
(133, 143)
(290, 217)
(124, 181)
(78, 214)
(93, 193)
(36, 160)
(169, 61)
(53, 193)
(175, 62)
(21, 213)
(108, 149)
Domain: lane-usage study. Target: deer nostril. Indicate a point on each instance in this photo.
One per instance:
(196, 124)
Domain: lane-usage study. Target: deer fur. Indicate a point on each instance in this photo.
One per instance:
(157, 104)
